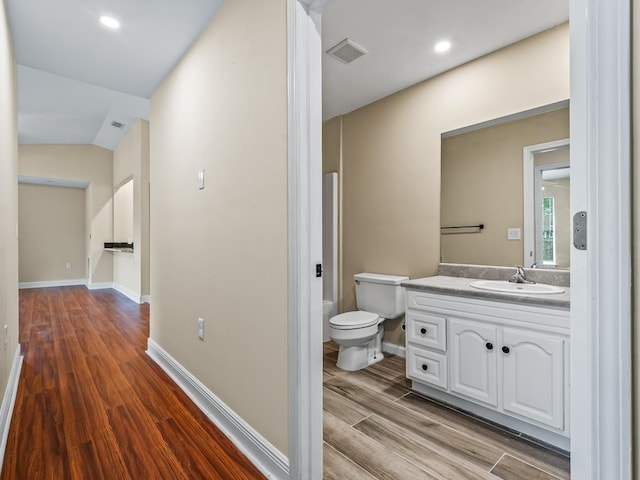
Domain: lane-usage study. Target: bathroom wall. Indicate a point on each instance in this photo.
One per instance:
(85, 163)
(8, 200)
(131, 163)
(331, 163)
(51, 233)
(482, 183)
(331, 145)
(221, 253)
(391, 154)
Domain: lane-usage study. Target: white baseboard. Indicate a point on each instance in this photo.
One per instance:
(52, 283)
(267, 458)
(394, 349)
(8, 402)
(99, 285)
(145, 299)
(130, 294)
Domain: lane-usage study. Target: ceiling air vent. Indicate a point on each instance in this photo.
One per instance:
(347, 51)
(117, 124)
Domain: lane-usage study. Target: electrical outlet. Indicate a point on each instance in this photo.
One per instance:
(201, 328)
(68, 265)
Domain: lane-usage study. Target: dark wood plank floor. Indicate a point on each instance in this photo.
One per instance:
(375, 428)
(92, 405)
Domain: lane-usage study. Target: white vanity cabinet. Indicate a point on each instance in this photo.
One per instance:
(505, 361)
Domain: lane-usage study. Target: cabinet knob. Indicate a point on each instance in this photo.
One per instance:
(425, 367)
(423, 330)
(489, 346)
(506, 349)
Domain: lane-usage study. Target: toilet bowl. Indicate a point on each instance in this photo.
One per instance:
(359, 333)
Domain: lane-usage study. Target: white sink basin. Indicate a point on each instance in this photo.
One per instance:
(517, 288)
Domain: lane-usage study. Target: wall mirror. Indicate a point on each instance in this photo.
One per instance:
(493, 208)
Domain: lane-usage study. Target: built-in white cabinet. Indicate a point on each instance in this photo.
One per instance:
(474, 366)
(533, 374)
(505, 361)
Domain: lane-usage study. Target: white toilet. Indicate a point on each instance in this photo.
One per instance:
(359, 333)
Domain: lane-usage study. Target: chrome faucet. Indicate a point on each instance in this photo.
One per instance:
(520, 276)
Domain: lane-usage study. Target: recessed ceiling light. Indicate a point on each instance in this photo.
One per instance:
(442, 47)
(110, 22)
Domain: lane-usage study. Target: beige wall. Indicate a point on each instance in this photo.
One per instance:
(482, 183)
(221, 253)
(8, 200)
(131, 162)
(331, 145)
(332, 162)
(86, 163)
(52, 228)
(391, 154)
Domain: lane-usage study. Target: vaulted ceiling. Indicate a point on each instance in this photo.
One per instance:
(76, 77)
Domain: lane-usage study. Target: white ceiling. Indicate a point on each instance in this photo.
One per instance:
(400, 35)
(75, 77)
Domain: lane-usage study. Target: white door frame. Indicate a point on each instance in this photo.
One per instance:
(528, 184)
(304, 75)
(600, 276)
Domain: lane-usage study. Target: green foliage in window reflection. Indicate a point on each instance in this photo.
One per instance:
(548, 231)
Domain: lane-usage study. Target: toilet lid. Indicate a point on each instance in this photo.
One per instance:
(354, 320)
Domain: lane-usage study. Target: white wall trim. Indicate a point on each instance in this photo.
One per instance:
(99, 285)
(145, 299)
(52, 283)
(601, 275)
(507, 118)
(394, 349)
(304, 91)
(9, 401)
(130, 294)
(267, 458)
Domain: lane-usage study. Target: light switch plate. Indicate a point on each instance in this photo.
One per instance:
(201, 328)
(513, 234)
(201, 179)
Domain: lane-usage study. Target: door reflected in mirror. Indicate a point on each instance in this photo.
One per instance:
(547, 172)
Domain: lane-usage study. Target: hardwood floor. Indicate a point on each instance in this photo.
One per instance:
(375, 428)
(92, 405)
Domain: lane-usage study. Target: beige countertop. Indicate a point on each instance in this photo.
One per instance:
(459, 286)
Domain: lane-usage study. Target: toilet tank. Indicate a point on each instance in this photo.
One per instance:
(381, 294)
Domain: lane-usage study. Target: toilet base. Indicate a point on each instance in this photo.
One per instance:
(357, 357)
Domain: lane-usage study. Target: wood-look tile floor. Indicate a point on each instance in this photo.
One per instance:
(375, 428)
(91, 405)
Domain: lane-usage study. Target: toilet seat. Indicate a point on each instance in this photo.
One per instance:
(353, 320)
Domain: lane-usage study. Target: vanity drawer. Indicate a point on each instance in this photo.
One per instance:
(427, 330)
(427, 367)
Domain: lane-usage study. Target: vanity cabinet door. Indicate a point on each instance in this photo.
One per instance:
(533, 375)
(473, 353)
